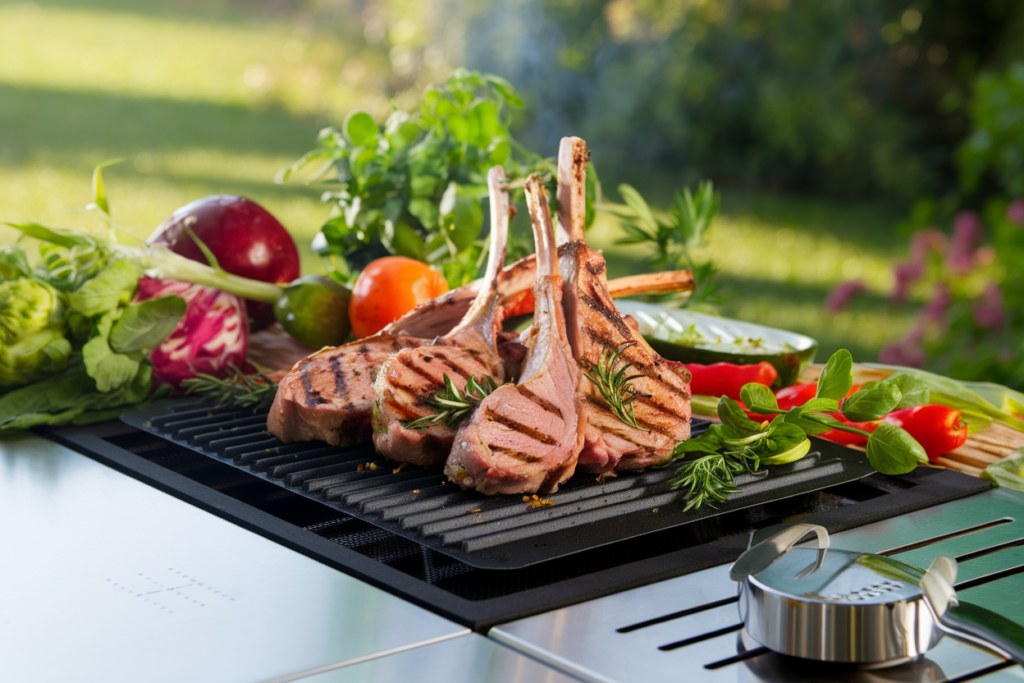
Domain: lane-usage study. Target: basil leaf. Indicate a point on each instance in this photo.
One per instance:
(891, 450)
(873, 403)
(144, 325)
(821, 405)
(837, 377)
(793, 453)
(758, 398)
(913, 392)
(708, 442)
(796, 417)
(113, 286)
(733, 417)
(361, 128)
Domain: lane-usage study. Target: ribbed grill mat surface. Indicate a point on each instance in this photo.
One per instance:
(499, 532)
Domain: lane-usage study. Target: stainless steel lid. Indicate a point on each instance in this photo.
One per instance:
(838, 606)
(842, 577)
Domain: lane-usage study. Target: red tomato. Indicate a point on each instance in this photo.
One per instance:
(387, 289)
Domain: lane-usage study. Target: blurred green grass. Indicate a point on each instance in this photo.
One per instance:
(215, 100)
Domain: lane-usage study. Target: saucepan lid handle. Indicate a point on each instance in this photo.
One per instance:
(764, 553)
(968, 622)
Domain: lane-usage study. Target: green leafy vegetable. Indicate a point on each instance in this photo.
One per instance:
(740, 444)
(674, 241)
(13, 262)
(891, 450)
(112, 287)
(836, 377)
(142, 326)
(416, 183)
(32, 343)
(872, 403)
(758, 398)
(110, 370)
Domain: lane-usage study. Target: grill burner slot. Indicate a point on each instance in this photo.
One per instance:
(499, 532)
(945, 537)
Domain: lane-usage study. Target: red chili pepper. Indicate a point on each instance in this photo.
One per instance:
(796, 395)
(939, 429)
(849, 438)
(726, 379)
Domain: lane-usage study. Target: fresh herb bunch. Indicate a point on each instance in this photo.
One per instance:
(675, 240)
(614, 385)
(253, 390)
(452, 404)
(417, 183)
(739, 442)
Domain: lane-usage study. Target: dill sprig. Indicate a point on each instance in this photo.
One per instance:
(452, 404)
(254, 390)
(614, 385)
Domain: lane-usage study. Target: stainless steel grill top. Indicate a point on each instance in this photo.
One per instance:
(688, 628)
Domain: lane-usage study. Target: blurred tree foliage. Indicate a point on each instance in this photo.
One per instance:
(846, 97)
(831, 96)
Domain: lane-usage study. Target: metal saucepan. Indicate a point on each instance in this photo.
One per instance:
(844, 606)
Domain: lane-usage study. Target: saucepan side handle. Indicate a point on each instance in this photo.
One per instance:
(968, 622)
(764, 553)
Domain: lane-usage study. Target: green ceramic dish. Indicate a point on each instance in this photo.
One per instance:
(700, 338)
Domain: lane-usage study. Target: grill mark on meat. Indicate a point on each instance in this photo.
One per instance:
(521, 457)
(312, 397)
(339, 379)
(644, 424)
(520, 428)
(611, 316)
(540, 401)
(457, 369)
(408, 365)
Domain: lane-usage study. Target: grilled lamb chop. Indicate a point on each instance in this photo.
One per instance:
(525, 437)
(657, 398)
(328, 396)
(408, 381)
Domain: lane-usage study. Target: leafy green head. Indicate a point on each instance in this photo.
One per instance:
(32, 342)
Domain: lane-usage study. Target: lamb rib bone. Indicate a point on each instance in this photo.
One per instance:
(525, 437)
(409, 381)
(658, 397)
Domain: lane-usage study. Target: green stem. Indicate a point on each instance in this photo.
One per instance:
(161, 262)
(838, 425)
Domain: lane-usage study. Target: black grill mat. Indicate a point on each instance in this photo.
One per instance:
(488, 532)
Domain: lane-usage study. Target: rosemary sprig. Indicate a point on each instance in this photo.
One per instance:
(710, 478)
(452, 404)
(254, 391)
(614, 386)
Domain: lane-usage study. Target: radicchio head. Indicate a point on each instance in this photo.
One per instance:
(212, 338)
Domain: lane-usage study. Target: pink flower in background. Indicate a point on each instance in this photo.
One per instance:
(1015, 212)
(906, 352)
(967, 232)
(935, 310)
(906, 274)
(988, 310)
(841, 294)
(924, 241)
